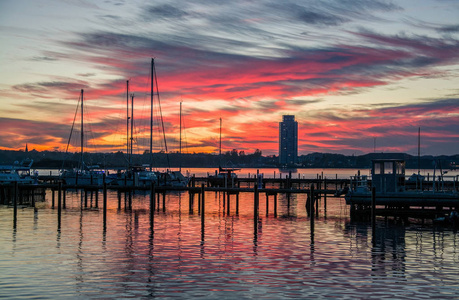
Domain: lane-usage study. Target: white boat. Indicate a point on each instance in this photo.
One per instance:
(17, 172)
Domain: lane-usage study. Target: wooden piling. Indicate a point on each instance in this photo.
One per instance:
(228, 195)
(105, 203)
(325, 194)
(164, 201)
(152, 205)
(52, 198)
(275, 205)
(59, 205)
(191, 196)
(373, 212)
(203, 205)
(255, 208)
(237, 203)
(311, 208)
(267, 204)
(15, 204)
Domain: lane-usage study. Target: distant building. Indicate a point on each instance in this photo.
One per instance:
(288, 140)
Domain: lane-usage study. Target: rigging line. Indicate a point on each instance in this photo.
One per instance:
(71, 130)
(161, 116)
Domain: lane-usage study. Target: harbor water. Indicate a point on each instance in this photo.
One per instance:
(233, 257)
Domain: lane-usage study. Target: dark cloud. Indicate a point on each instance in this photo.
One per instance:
(43, 58)
(164, 11)
(317, 18)
(449, 28)
(49, 86)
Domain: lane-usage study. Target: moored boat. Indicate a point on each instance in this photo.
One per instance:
(17, 172)
(388, 180)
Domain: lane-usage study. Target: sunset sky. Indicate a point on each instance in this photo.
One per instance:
(359, 75)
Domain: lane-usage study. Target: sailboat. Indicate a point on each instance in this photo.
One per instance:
(83, 175)
(225, 176)
(133, 175)
(169, 177)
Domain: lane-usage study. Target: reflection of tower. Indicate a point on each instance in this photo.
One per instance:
(288, 140)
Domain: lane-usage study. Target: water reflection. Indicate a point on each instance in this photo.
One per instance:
(231, 256)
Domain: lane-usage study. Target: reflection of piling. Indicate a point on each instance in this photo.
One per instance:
(52, 198)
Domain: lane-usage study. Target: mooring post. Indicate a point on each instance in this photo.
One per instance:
(59, 206)
(52, 198)
(15, 204)
(311, 208)
(152, 205)
(267, 204)
(228, 198)
(164, 201)
(199, 203)
(373, 212)
(119, 199)
(97, 198)
(203, 205)
(255, 208)
(325, 193)
(105, 202)
(275, 205)
(191, 195)
(237, 203)
(336, 182)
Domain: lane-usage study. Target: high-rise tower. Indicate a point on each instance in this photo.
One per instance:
(288, 140)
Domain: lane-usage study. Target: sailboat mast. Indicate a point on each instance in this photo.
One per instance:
(82, 132)
(180, 144)
(220, 152)
(419, 150)
(151, 111)
(127, 123)
(132, 128)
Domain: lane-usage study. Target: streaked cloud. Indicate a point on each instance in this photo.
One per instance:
(349, 70)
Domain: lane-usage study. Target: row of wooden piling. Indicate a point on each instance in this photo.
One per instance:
(311, 205)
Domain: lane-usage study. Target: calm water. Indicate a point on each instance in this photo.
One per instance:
(230, 260)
